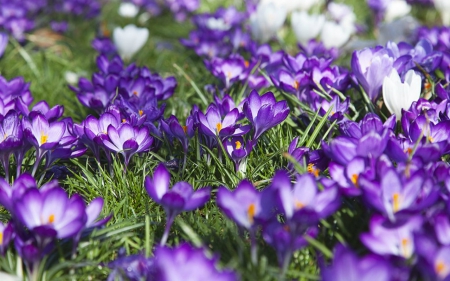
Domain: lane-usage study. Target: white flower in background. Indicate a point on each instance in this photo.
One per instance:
(343, 14)
(443, 7)
(71, 77)
(217, 24)
(396, 9)
(305, 26)
(128, 10)
(266, 21)
(129, 40)
(335, 35)
(398, 95)
(291, 5)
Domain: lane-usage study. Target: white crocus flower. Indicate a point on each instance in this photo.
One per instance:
(129, 40)
(128, 10)
(266, 21)
(305, 26)
(443, 6)
(335, 35)
(396, 9)
(398, 95)
(291, 5)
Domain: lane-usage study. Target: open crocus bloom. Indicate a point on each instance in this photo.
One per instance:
(398, 95)
(129, 40)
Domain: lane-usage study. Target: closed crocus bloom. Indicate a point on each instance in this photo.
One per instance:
(305, 26)
(128, 10)
(396, 9)
(398, 95)
(267, 20)
(443, 6)
(129, 40)
(335, 35)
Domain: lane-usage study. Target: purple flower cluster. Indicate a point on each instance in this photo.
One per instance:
(40, 127)
(180, 8)
(170, 264)
(372, 65)
(41, 216)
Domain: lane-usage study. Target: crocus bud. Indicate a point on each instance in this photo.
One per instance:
(267, 20)
(128, 10)
(305, 26)
(335, 35)
(396, 9)
(129, 40)
(443, 6)
(398, 95)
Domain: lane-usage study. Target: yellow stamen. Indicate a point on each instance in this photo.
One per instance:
(219, 127)
(440, 267)
(238, 145)
(44, 138)
(251, 212)
(396, 202)
(141, 112)
(135, 93)
(430, 139)
(298, 204)
(5, 136)
(409, 150)
(228, 74)
(354, 180)
(404, 246)
(1, 238)
(123, 121)
(296, 85)
(246, 63)
(184, 129)
(312, 170)
(51, 218)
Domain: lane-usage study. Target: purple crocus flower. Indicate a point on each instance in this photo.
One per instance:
(349, 267)
(134, 267)
(434, 260)
(8, 193)
(237, 149)
(303, 203)
(242, 205)
(3, 43)
(12, 132)
(264, 112)
(6, 235)
(371, 66)
(178, 264)
(181, 197)
(212, 125)
(388, 239)
(229, 70)
(42, 135)
(50, 213)
(127, 140)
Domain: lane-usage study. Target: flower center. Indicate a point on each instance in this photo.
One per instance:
(44, 138)
(228, 74)
(135, 93)
(238, 145)
(51, 218)
(141, 112)
(396, 202)
(219, 127)
(440, 268)
(312, 170)
(298, 204)
(296, 85)
(354, 180)
(251, 212)
(404, 247)
(246, 63)
(1, 238)
(184, 129)
(430, 139)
